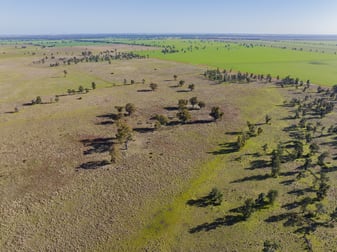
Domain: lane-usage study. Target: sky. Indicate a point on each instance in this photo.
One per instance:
(40, 17)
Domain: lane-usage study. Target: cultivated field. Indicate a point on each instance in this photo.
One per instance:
(60, 192)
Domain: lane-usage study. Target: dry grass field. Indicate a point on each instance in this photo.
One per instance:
(59, 192)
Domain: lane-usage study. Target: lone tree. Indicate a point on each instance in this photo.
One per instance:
(65, 72)
(184, 115)
(181, 83)
(175, 77)
(120, 111)
(191, 87)
(93, 85)
(276, 164)
(81, 89)
(38, 100)
(153, 86)
(215, 197)
(216, 113)
(130, 108)
(162, 119)
(248, 208)
(272, 195)
(267, 119)
(194, 101)
(182, 103)
(124, 133)
(201, 104)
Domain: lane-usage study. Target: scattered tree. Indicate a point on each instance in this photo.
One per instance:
(124, 133)
(267, 119)
(162, 119)
(184, 115)
(93, 85)
(130, 108)
(80, 89)
(272, 195)
(182, 103)
(248, 208)
(181, 83)
(191, 87)
(276, 163)
(153, 86)
(194, 101)
(216, 113)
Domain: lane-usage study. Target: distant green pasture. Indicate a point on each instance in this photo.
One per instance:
(319, 68)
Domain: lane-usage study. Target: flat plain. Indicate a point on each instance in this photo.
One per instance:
(59, 192)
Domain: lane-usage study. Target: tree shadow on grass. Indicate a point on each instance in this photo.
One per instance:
(226, 148)
(92, 165)
(252, 178)
(277, 218)
(205, 121)
(111, 116)
(259, 164)
(203, 201)
(234, 133)
(171, 108)
(144, 90)
(144, 130)
(97, 145)
(105, 123)
(300, 192)
(287, 182)
(228, 220)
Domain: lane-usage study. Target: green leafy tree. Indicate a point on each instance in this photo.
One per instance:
(271, 196)
(162, 119)
(184, 115)
(321, 158)
(124, 133)
(191, 87)
(299, 149)
(80, 89)
(216, 113)
(314, 148)
(182, 103)
(194, 101)
(269, 246)
(93, 85)
(38, 100)
(276, 164)
(181, 83)
(248, 208)
(215, 197)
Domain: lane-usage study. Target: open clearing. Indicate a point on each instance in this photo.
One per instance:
(314, 63)
(59, 192)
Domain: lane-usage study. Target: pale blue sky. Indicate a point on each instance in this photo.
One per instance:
(170, 16)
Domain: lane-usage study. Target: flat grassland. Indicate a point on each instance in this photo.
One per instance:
(317, 62)
(58, 192)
